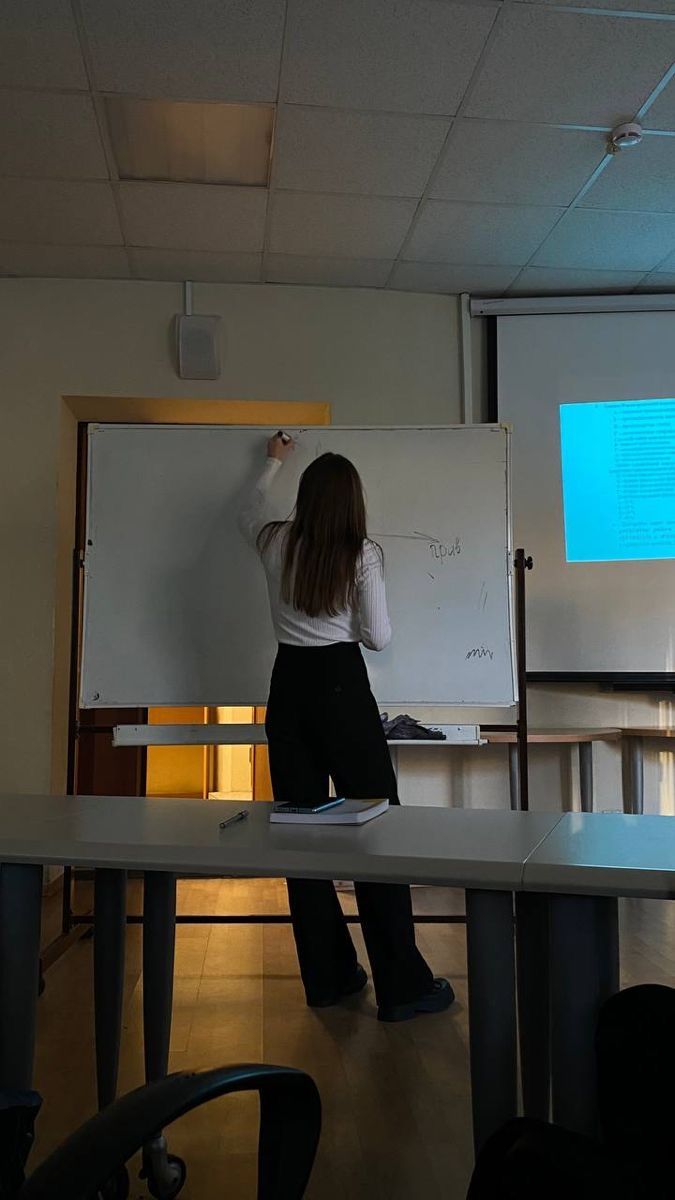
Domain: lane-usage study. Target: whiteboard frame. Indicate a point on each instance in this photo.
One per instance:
(98, 427)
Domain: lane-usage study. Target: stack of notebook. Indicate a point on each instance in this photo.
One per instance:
(332, 812)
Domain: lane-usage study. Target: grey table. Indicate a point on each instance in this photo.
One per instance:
(634, 741)
(483, 852)
(580, 737)
(572, 882)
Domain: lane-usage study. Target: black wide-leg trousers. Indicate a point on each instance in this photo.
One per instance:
(323, 722)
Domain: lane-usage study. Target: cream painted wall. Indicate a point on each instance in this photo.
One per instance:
(375, 357)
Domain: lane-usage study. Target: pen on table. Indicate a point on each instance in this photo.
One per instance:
(240, 816)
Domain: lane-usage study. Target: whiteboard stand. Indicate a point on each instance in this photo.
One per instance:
(532, 912)
(522, 563)
(518, 750)
(123, 496)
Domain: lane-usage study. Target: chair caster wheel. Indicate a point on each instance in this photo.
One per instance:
(164, 1173)
(115, 1188)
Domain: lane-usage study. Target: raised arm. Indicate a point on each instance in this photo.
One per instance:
(253, 514)
(375, 625)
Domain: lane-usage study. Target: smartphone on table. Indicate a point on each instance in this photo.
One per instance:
(322, 806)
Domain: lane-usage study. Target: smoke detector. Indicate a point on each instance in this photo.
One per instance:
(629, 134)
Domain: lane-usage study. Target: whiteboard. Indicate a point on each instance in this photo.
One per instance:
(175, 603)
(588, 620)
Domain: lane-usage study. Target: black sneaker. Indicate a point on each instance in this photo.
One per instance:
(437, 1000)
(355, 985)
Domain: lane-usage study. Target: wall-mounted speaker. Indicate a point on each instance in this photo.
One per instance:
(197, 347)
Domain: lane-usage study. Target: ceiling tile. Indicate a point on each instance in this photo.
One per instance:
(641, 177)
(65, 262)
(39, 46)
(327, 272)
(399, 55)
(195, 265)
(485, 234)
(341, 226)
(650, 6)
(661, 115)
(658, 281)
(185, 216)
(666, 264)
(573, 67)
(506, 162)
(443, 277)
(201, 50)
(50, 134)
(366, 153)
(610, 241)
(58, 211)
(540, 281)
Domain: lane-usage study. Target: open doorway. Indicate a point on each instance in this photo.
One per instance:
(204, 772)
(233, 773)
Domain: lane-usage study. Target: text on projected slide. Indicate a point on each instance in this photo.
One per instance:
(618, 477)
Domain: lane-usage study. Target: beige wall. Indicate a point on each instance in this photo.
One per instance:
(375, 357)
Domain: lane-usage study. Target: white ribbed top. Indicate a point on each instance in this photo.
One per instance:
(367, 621)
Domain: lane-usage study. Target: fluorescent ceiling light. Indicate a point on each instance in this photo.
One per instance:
(191, 142)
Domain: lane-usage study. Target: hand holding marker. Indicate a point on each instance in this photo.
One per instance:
(280, 446)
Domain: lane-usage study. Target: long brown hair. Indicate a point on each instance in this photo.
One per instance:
(325, 538)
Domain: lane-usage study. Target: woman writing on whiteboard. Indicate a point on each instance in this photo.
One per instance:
(326, 589)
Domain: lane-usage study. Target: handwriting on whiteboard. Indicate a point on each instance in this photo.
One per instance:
(442, 550)
(480, 652)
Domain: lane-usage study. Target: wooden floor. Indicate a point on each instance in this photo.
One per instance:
(396, 1098)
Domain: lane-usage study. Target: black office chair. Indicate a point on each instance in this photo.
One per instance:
(633, 1156)
(91, 1164)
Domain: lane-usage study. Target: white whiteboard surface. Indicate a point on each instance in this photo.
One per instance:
(583, 618)
(175, 607)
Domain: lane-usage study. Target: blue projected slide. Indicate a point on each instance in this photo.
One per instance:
(618, 476)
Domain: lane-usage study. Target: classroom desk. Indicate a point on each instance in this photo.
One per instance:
(575, 878)
(635, 741)
(482, 852)
(583, 738)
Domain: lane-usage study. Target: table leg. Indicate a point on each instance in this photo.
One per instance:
(159, 943)
(586, 776)
(532, 951)
(20, 918)
(110, 911)
(635, 751)
(164, 1172)
(492, 1011)
(584, 973)
(514, 777)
